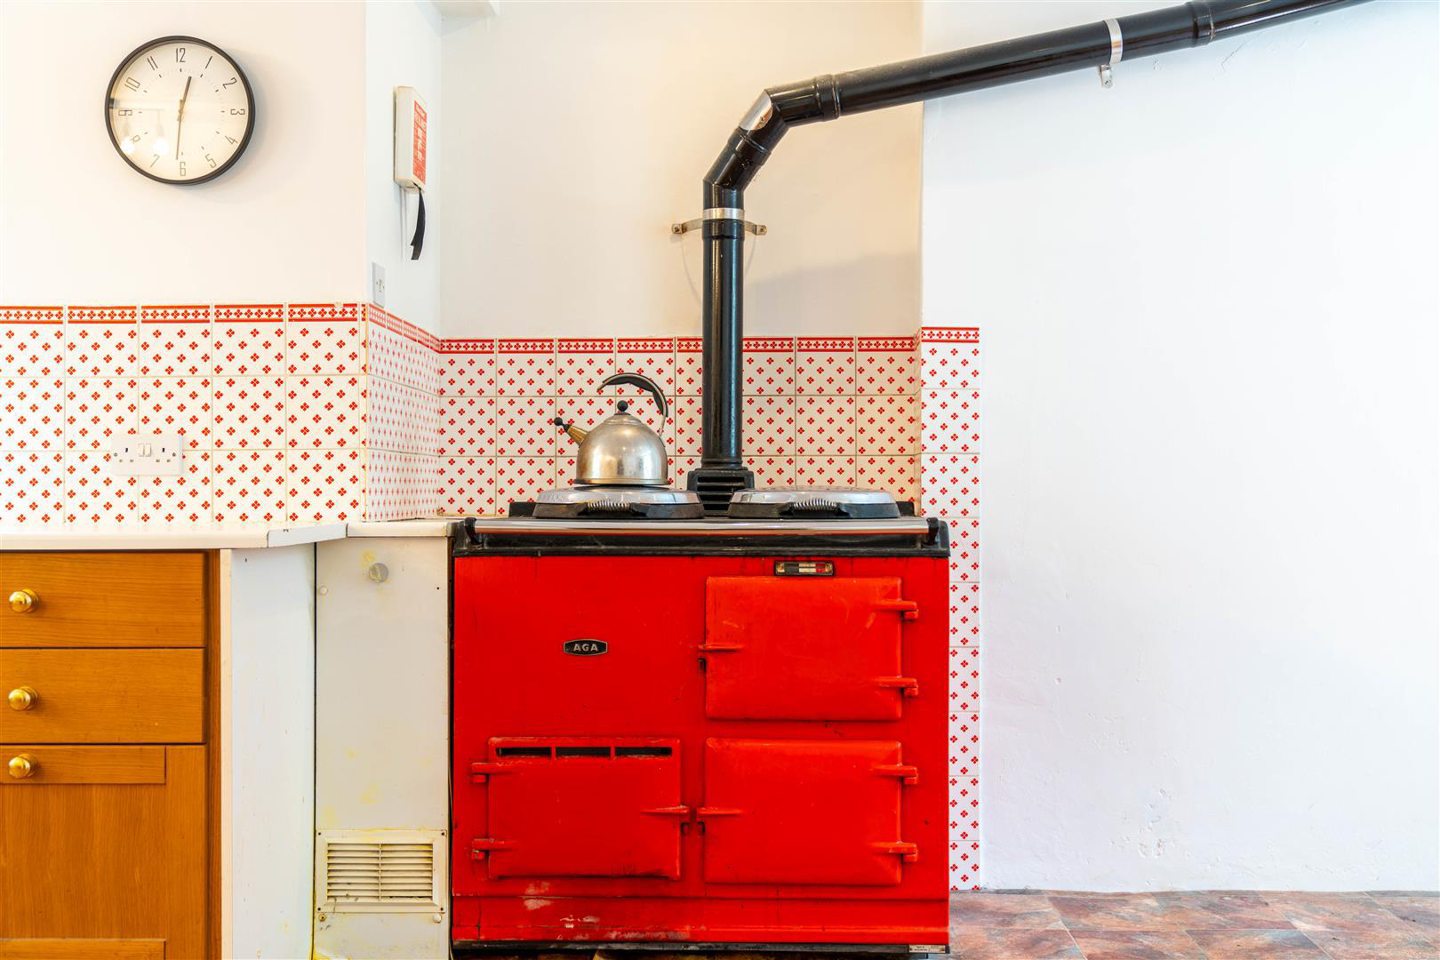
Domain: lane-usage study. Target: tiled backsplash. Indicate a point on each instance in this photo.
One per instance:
(332, 411)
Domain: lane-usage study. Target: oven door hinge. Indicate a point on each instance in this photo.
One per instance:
(908, 852)
(481, 769)
(481, 846)
(909, 686)
(908, 609)
(908, 774)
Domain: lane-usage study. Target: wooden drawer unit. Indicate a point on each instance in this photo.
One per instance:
(102, 599)
(103, 696)
(103, 852)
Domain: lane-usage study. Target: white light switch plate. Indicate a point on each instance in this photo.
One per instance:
(146, 455)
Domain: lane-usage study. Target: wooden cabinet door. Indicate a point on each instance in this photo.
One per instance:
(103, 853)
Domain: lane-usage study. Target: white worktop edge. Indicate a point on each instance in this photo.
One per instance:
(168, 536)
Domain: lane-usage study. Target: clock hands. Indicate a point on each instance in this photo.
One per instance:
(180, 117)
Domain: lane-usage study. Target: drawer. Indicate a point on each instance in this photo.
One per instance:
(102, 599)
(102, 696)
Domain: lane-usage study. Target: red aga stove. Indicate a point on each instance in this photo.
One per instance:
(716, 731)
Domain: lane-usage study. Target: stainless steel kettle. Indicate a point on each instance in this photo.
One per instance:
(621, 450)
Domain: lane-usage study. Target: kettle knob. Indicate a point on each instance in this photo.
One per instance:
(644, 383)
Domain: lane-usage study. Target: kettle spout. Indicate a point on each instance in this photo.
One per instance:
(575, 433)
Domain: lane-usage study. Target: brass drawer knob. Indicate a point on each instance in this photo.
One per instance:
(23, 766)
(22, 698)
(24, 600)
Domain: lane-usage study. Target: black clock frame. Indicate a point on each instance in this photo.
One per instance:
(250, 110)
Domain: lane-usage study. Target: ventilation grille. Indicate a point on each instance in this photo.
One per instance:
(363, 874)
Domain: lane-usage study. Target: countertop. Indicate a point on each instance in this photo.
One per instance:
(201, 536)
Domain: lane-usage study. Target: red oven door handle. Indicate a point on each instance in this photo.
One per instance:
(720, 647)
(481, 846)
(679, 810)
(704, 812)
(908, 609)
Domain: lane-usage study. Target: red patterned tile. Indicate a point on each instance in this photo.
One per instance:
(248, 486)
(964, 730)
(887, 425)
(772, 471)
(580, 365)
(185, 498)
(825, 426)
(97, 410)
(177, 405)
(402, 419)
(521, 478)
(689, 366)
(652, 357)
(951, 485)
(324, 411)
(467, 427)
(964, 614)
(324, 485)
(525, 427)
(964, 666)
(323, 338)
(467, 368)
(825, 365)
(32, 487)
(400, 486)
(174, 341)
(949, 358)
(768, 366)
(950, 421)
(248, 340)
(964, 550)
(887, 365)
(824, 471)
(92, 494)
(525, 368)
(401, 352)
(249, 413)
(100, 342)
(32, 413)
(899, 475)
(687, 426)
(467, 486)
(32, 342)
(769, 426)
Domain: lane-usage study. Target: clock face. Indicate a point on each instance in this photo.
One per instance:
(179, 110)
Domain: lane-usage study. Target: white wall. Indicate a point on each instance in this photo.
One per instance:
(77, 225)
(402, 48)
(1209, 317)
(587, 128)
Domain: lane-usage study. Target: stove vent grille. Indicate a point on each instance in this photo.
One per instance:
(380, 871)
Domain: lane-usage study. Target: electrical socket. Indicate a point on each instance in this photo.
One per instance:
(377, 284)
(146, 455)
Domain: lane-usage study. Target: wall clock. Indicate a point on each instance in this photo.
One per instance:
(179, 110)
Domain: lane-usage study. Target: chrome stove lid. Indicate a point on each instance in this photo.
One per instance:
(845, 503)
(616, 503)
(617, 494)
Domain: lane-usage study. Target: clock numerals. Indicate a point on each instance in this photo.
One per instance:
(153, 122)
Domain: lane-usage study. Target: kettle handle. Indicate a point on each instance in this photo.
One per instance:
(644, 383)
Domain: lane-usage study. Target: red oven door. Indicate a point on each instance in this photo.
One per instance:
(804, 811)
(569, 807)
(812, 648)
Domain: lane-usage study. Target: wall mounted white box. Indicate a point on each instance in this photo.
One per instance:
(382, 736)
(146, 455)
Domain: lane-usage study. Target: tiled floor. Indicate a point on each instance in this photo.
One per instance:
(1232, 925)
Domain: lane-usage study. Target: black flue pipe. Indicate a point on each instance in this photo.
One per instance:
(722, 469)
